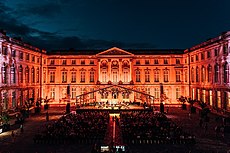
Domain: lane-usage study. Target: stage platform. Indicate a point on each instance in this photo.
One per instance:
(115, 109)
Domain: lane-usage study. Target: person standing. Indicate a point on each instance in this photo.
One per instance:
(21, 128)
(13, 136)
(47, 116)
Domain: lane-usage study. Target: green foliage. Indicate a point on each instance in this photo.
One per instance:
(5, 118)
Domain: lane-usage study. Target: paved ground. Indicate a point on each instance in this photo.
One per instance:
(206, 141)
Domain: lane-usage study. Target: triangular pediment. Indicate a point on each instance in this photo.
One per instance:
(115, 51)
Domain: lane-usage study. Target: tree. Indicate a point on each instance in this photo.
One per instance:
(183, 99)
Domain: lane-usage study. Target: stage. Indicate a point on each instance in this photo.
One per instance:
(114, 108)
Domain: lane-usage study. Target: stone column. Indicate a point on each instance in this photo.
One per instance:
(99, 70)
(109, 71)
(120, 71)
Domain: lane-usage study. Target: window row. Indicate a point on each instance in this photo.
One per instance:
(156, 61)
(25, 75)
(21, 55)
(73, 76)
(73, 62)
(210, 74)
(210, 53)
(156, 75)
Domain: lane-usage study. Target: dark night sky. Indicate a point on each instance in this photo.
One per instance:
(90, 24)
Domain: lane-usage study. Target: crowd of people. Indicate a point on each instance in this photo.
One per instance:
(82, 127)
(151, 128)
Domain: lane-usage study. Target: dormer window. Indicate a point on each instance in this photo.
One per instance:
(138, 62)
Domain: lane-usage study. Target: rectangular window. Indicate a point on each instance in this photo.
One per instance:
(165, 61)
(52, 93)
(202, 56)
(138, 76)
(14, 99)
(208, 54)
(73, 62)
(13, 53)
(21, 55)
(82, 62)
(63, 62)
(197, 58)
(104, 76)
(138, 62)
(91, 77)
(4, 50)
(178, 75)
(177, 61)
(156, 61)
(147, 76)
(210, 98)
(228, 101)
(52, 77)
(186, 76)
(146, 61)
(33, 58)
(166, 75)
(44, 75)
(178, 94)
(198, 94)
(38, 60)
(225, 49)
(82, 76)
(115, 76)
(156, 75)
(203, 97)
(51, 62)
(157, 93)
(91, 62)
(37, 75)
(218, 99)
(73, 76)
(91, 96)
(192, 59)
(73, 93)
(126, 76)
(27, 56)
(4, 75)
(64, 76)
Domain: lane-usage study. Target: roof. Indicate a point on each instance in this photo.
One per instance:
(133, 51)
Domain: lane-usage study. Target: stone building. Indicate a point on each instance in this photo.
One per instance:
(115, 75)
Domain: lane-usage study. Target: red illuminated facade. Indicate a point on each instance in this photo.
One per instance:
(200, 72)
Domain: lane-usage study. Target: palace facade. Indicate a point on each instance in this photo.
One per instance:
(115, 75)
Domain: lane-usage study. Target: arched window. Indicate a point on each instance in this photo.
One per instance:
(226, 73)
(197, 74)
(203, 74)
(13, 74)
(216, 75)
(138, 75)
(20, 74)
(147, 76)
(82, 75)
(91, 76)
(27, 74)
(156, 75)
(33, 75)
(192, 75)
(37, 76)
(4, 73)
(209, 73)
(166, 75)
